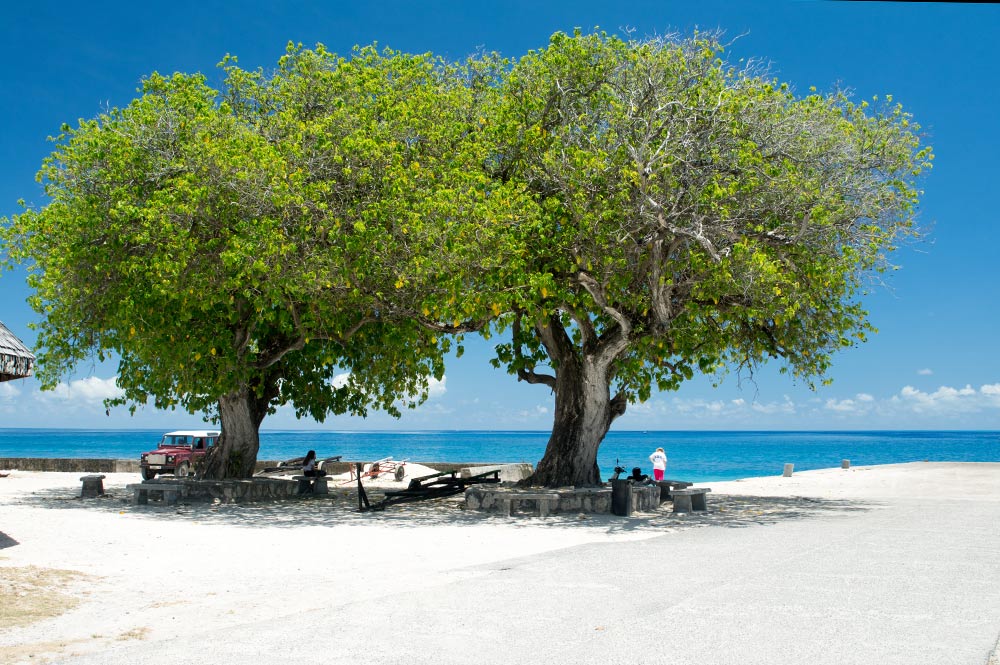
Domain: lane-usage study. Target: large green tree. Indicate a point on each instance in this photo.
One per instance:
(688, 216)
(237, 248)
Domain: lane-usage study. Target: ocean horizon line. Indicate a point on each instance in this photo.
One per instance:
(515, 431)
(695, 455)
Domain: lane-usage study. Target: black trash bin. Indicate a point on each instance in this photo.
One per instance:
(621, 498)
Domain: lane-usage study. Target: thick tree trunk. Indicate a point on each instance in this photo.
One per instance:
(583, 414)
(235, 455)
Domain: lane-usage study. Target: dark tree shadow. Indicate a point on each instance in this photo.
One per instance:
(341, 507)
(6, 541)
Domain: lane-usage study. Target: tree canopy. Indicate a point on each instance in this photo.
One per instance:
(238, 248)
(628, 212)
(690, 216)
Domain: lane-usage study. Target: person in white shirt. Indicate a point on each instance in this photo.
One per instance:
(659, 460)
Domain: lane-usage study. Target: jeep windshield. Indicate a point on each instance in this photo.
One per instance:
(176, 441)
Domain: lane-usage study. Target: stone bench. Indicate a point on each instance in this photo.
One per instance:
(546, 502)
(666, 486)
(165, 492)
(93, 486)
(312, 484)
(686, 500)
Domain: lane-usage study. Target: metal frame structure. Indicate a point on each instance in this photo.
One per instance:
(433, 486)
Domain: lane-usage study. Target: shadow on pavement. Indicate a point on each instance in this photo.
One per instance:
(6, 541)
(341, 507)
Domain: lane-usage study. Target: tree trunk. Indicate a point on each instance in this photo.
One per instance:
(235, 455)
(583, 414)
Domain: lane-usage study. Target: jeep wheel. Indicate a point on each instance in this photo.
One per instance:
(147, 474)
(183, 470)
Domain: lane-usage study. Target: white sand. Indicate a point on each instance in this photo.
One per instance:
(154, 572)
(890, 481)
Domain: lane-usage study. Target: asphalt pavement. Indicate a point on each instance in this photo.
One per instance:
(913, 581)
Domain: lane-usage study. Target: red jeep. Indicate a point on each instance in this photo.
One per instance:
(177, 453)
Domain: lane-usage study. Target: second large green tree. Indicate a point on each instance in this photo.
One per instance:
(688, 216)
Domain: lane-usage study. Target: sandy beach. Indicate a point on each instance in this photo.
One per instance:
(888, 564)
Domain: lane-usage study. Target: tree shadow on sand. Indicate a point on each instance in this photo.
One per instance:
(341, 507)
(6, 541)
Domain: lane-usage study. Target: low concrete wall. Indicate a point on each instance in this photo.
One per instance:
(94, 465)
(232, 491)
(540, 501)
(337, 468)
(80, 465)
(509, 473)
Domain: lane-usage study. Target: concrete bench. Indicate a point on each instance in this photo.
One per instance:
(312, 484)
(667, 485)
(546, 502)
(686, 500)
(142, 492)
(93, 486)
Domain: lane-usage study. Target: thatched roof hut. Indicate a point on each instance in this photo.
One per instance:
(16, 361)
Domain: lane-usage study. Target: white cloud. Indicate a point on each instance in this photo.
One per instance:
(699, 412)
(8, 391)
(842, 405)
(9, 394)
(641, 408)
(786, 407)
(860, 403)
(925, 372)
(535, 415)
(88, 392)
(910, 407)
(943, 401)
(435, 388)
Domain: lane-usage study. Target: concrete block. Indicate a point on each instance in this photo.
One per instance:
(509, 473)
(694, 498)
(93, 486)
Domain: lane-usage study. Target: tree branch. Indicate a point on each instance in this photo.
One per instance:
(595, 291)
(523, 373)
(463, 327)
(618, 405)
(299, 343)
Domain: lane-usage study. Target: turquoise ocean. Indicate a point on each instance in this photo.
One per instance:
(695, 456)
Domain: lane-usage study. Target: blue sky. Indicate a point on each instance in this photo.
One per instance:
(932, 366)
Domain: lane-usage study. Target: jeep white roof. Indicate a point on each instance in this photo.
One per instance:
(193, 432)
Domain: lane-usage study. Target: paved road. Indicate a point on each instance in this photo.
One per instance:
(907, 582)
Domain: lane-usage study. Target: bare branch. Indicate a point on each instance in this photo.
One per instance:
(299, 343)
(523, 373)
(463, 327)
(597, 293)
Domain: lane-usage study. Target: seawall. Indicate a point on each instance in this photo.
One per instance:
(94, 465)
